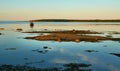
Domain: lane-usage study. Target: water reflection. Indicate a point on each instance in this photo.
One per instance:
(43, 51)
(21, 54)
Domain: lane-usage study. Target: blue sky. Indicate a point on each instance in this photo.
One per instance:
(70, 9)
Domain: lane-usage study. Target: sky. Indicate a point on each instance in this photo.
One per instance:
(59, 9)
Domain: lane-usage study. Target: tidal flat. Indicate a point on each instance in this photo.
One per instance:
(18, 53)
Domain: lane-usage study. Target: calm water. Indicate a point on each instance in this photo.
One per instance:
(14, 50)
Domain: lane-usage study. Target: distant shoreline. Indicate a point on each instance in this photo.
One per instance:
(73, 20)
(65, 20)
(62, 27)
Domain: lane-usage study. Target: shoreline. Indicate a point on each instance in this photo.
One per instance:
(59, 27)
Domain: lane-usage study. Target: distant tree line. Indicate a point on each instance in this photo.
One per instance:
(72, 20)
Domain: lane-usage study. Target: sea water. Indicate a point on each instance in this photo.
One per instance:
(15, 50)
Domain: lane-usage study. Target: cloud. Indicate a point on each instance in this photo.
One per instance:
(60, 61)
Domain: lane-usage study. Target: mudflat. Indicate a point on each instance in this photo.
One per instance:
(75, 36)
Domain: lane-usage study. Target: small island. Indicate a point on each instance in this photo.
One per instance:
(74, 36)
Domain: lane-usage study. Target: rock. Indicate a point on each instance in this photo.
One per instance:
(77, 40)
(40, 51)
(2, 29)
(45, 47)
(10, 49)
(116, 54)
(19, 29)
(90, 51)
(59, 40)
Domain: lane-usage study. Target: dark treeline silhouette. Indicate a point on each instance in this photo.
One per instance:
(75, 20)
